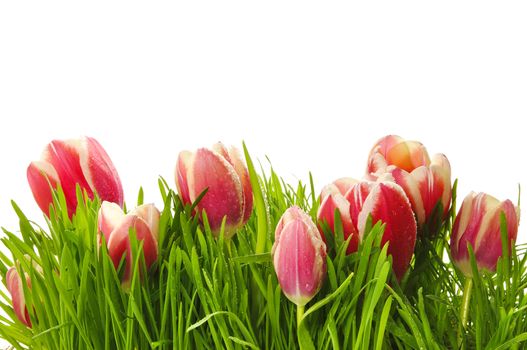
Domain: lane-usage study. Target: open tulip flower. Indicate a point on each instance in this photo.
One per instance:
(426, 182)
(223, 174)
(478, 224)
(332, 199)
(15, 288)
(115, 225)
(73, 162)
(299, 256)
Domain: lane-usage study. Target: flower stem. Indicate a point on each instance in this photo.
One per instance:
(299, 315)
(463, 316)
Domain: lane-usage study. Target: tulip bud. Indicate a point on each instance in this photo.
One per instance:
(15, 288)
(478, 224)
(332, 198)
(425, 186)
(394, 150)
(115, 226)
(68, 163)
(225, 177)
(299, 256)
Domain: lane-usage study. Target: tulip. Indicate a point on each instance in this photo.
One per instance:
(478, 224)
(15, 288)
(394, 150)
(387, 202)
(299, 256)
(70, 163)
(426, 182)
(115, 225)
(225, 177)
(332, 199)
(425, 186)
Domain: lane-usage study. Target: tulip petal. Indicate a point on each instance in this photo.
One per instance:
(99, 171)
(326, 212)
(15, 288)
(64, 157)
(243, 174)
(410, 183)
(225, 192)
(42, 177)
(110, 216)
(408, 155)
(356, 197)
(183, 165)
(388, 203)
(119, 243)
(150, 214)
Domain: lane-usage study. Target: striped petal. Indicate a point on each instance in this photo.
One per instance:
(42, 178)
(388, 203)
(224, 198)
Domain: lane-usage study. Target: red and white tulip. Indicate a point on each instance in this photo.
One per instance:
(223, 173)
(478, 224)
(299, 256)
(73, 162)
(426, 182)
(115, 225)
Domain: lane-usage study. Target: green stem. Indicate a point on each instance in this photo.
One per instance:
(299, 315)
(463, 315)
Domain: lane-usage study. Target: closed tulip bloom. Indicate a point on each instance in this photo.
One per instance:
(426, 186)
(478, 224)
(15, 288)
(299, 256)
(332, 199)
(68, 163)
(223, 174)
(115, 225)
(394, 150)
(386, 202)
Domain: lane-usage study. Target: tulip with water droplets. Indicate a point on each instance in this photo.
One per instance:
(299, 256)
(223, 174)
(69, 163)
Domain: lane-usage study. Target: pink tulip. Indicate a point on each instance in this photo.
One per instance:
(14, 286)
(478, 224)
(425, 186)
(68, 163)
(387, 202)
(115, 226)
(394, 150)
(225, 176)
(332, 199)
(299, 256)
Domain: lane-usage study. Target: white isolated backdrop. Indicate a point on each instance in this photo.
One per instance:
(311, 85)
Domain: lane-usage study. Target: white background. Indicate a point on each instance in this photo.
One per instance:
(310, 85)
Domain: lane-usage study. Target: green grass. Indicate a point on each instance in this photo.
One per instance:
(212, 293)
